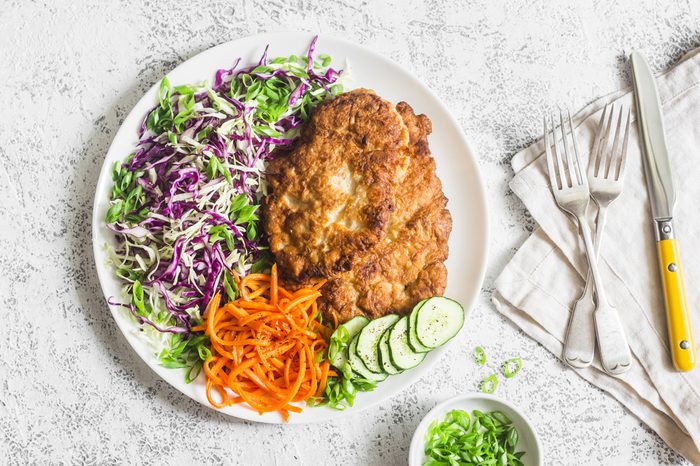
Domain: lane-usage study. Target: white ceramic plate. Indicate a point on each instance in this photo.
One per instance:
(456, 165)
(527, 441)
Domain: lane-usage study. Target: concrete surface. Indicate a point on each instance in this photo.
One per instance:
(73, 392)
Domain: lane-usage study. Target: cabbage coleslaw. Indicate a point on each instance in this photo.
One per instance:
(184, 205)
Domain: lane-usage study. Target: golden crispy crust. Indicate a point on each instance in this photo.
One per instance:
(408, 264)
(332, 195)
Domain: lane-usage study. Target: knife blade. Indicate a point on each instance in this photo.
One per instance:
(662, 196)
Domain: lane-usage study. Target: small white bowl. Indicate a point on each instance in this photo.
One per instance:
(527, 441)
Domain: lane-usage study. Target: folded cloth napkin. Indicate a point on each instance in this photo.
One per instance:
(539, 287)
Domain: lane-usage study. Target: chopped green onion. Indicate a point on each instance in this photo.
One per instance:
(203, 134)
(325, 59)
(231, 286)
(340, 392)
(137, 297)
(115, 210)
(263, 263)
(164, 93)
(185, 89)
(252, 232)
(247, 214)
(238, 203)
(479, 355)
(484, 438)
(186, 353)
(172, 137)
(498, 416)
(489, 384)
(512, 366)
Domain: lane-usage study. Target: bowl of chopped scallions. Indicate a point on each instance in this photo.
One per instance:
(475, 429)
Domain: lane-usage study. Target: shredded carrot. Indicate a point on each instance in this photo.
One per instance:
(265, 346)
(273, 285)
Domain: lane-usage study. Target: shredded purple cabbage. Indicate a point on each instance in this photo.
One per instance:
(184, 204)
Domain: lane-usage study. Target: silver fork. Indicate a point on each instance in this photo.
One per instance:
(606, 170)
(572, 193)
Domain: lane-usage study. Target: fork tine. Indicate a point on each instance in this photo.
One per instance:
(559, 156)
(623, 153)
(593, 160)
(577, 155)
(612, 160)
(604, 150)
(569, 160)
(550, 162)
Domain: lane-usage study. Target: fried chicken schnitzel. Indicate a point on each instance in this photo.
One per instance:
(333, 193)
(357, 201)
(408, 264)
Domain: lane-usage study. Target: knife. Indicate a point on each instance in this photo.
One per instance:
(657, 169)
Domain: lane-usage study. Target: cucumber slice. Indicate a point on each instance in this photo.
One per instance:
(353, 326)
(358, 367)
(402, 356)
(412, 338)
(438, 320)
(385, 355)
(368, 341)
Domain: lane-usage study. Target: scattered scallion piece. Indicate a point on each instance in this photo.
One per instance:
(484, 438)
(512, 366)
(479, 355)
(489, 384)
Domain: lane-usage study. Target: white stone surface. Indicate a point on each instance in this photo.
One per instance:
(73, 392)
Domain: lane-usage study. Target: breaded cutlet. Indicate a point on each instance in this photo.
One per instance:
(407, 265)
(332, 195)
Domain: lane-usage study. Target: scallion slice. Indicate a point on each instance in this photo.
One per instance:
(489, 384)
(512, 366)
(479, 355)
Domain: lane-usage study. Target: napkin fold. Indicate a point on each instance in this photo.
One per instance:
(540, 285)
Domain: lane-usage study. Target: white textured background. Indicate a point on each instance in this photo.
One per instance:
(72, 391)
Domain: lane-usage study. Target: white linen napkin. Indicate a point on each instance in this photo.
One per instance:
(539, 287)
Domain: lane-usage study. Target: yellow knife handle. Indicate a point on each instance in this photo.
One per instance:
(677, 314)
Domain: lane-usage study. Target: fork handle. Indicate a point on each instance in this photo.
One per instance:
(679, 330)
(615, 354)
(579, 344)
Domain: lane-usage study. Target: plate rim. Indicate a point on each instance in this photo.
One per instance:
(262, 39)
